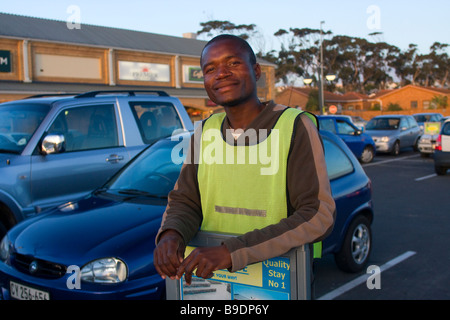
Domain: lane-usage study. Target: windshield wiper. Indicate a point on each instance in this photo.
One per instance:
(138, 193)
(9, 151)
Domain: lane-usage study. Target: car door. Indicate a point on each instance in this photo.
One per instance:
(348, 133)
(93, 153)
(405, 133)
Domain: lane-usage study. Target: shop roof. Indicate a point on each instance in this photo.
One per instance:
(22, 27)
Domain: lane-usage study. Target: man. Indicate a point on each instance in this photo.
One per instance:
(272, 211)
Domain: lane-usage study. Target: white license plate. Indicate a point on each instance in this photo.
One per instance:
(21, 292)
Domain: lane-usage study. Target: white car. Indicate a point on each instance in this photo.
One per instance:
(442, 150)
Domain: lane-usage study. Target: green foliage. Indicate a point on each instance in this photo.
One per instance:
(441, 102)
(313, 101)
(394, 107)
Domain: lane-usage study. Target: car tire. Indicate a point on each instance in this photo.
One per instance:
(3, 230)
(367, 155)
(357, 246)
(396, 148)
(441, 171)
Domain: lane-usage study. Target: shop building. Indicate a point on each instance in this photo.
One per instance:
(39, 56)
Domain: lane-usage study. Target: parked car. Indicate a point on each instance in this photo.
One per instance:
(430, 123)
(361, 144)
(422, 118)
(109, 236)
(442, 150)
(391, 133)
(56, 148)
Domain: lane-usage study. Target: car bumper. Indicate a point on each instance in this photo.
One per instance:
(383, 146)
(149, 288)
(426, 148)
(442, 159)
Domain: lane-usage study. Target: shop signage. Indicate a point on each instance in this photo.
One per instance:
(267, 280)
(192, 74)
(5, 61)
(142, 71)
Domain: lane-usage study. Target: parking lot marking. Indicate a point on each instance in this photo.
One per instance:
(426, 177)
(363, 278)
(387, 161)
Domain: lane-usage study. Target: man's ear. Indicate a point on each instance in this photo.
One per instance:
(257, 70)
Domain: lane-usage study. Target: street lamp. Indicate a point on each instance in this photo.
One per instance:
(321, 98)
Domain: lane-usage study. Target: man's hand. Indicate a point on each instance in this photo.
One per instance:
(169, 254)
(205, 260)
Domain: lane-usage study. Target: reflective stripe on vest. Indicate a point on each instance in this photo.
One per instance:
(243, 188)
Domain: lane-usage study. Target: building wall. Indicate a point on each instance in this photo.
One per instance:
(49, 62)
(411, 98)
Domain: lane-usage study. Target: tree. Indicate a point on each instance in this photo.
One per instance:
(440, 101)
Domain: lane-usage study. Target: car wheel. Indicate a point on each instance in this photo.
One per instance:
(3, 230)
(396, 148)
(440, 170)
(357, 246)
(367, 154)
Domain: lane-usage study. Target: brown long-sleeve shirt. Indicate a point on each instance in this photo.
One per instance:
(311, 206)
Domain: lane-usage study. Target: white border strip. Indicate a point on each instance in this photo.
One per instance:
(363, 278)
(387, 161)
(426, 177)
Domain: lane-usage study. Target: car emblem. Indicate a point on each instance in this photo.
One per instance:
(33, 267)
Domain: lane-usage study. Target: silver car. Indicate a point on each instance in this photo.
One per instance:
(58, 148)
(391, 133)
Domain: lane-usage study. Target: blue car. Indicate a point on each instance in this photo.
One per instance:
(361, 144)
(101, 246)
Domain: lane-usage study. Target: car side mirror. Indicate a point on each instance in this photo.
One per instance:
(53, 143)
(358, 132)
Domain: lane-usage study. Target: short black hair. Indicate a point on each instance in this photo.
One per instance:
(242, 43)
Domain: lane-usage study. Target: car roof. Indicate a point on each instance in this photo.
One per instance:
(51, 98)
(391, 116)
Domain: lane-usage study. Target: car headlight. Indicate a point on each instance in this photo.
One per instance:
(384, 139)
(106, 270)
(5, 249)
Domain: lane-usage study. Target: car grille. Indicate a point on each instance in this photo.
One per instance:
(44, 269)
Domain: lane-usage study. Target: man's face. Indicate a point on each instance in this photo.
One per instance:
(229, 76)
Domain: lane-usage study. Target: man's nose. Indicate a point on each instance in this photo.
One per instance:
(223, 71)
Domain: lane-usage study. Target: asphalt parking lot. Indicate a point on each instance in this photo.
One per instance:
(410, 236)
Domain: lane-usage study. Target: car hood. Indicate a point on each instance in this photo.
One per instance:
(90, 229)
(381, 133)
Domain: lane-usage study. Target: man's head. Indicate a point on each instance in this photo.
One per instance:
(230, 70)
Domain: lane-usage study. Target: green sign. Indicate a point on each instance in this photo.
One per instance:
(5, 61)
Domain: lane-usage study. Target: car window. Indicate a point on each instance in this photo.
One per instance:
(18, 123)
(446, 128)
(338, 163)
(153, 172)
(344, 127)
(84, 128)
(404, 123)
(383, 124)
(155, 119)
(327, 124)
(412, 122)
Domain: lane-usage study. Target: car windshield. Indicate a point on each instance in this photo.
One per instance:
(383, 124)
(18, 122)
(152, 174)
(422, 117)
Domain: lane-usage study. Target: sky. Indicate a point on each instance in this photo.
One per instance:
(401, 22)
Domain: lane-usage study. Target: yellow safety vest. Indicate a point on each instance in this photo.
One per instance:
(243, 188)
